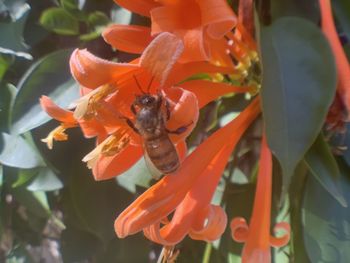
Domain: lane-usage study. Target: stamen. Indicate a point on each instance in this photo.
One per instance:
(87, 106)
(113, 145)
(58, 134)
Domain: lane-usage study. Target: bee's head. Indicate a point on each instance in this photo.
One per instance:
(145, 100)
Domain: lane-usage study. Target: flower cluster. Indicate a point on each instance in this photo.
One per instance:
(212, 40)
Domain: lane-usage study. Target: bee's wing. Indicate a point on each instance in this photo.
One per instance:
(156, 174)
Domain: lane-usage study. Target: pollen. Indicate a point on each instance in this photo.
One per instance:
(111, 146)
(58, 134)
(88, 105)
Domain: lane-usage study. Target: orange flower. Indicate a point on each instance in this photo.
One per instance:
(108, 90)
(206, 32)
(257, 235)
(189, 191)
(343, 67)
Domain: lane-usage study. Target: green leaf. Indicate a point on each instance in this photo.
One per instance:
(72, 4)
(138, 175)
(324, 167)
(5, 63)
(299, 82)
(46, 180)
(24, 176)
(7, 96)
(59, 21)
(299, 8)
(49, 76)
(1, 175)
(326, 222)
(36, 202)
(17, 152)
(342, 10)
(11, 40)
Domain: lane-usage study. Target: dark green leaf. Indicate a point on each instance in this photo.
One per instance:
(299, 82)
(326, 222)
(98, 19)
(5, 63)
(342, 10)
(46, 180)
(7, 96)
(299, 8)
(11, 40)
(324, 167)
(35, 202)
(1, 175)
(49, 76)
(71, 4)
(59, 21)
(17, 152)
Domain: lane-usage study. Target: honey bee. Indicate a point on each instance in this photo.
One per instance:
(150, 125)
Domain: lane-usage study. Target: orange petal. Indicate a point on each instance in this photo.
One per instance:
(343, 66)
(92, 72)
(246, 15)
(207, 91)
(165, 19)
(55, 111)
(161, 54)
(214, 228)
(196, 48)
(92, 128)
(141, 7)
(184, 112)
(194, 214)
(128, 38)
(283, 240)
(108, 167)
(217, 16)
(161, 199)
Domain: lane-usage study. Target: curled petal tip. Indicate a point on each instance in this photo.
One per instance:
(284, 239)
(239, 229)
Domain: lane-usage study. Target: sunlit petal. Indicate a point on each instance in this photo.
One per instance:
(92, 72)
(160, 56)
(128, 38)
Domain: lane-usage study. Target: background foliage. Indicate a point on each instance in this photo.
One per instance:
(51, 209)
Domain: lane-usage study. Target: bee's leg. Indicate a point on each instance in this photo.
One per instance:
(132, 108)
(179, 130)
(131, 124)
(167, 107)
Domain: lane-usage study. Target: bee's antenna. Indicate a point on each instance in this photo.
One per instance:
(138, 85)
(150, 83)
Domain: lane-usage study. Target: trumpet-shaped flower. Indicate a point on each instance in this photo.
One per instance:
(257, 235)
(108, 90)
(206, 33)
(195, 184)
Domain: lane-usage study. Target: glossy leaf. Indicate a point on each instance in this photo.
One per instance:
(120, 15)
(324, 167)
(326, 222)
(17, 152)
(11, 32)
(24, 176)
(59, 21)
(7, 96)
(299, 82)
(49, 76)
(45, 180)
(138, 175)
